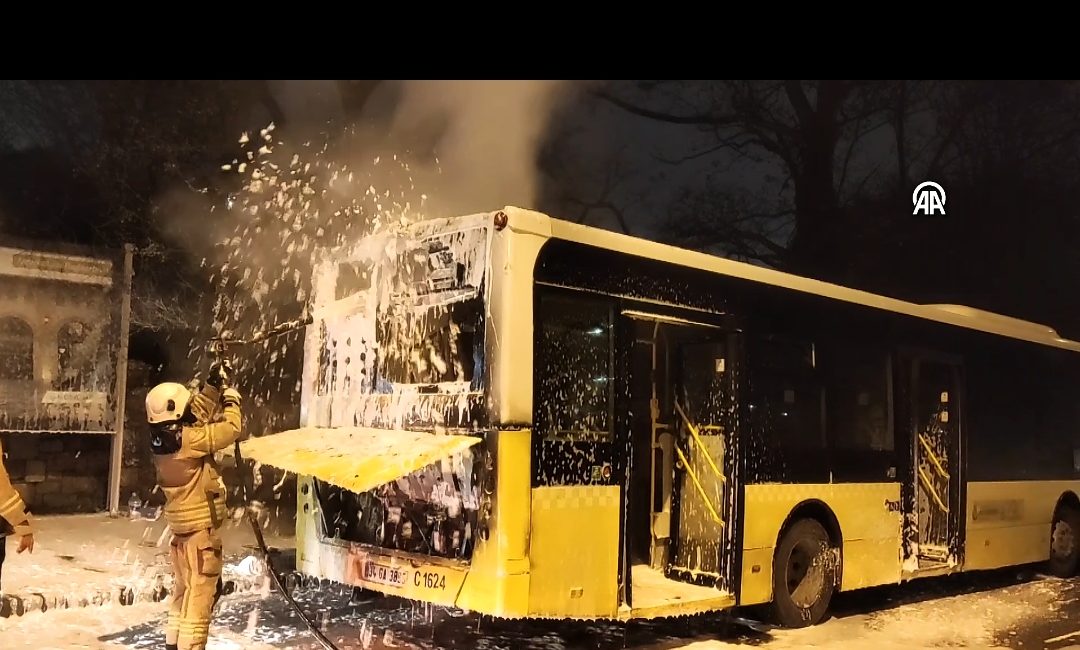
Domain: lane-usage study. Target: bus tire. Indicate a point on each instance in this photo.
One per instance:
(804, 574)
(1065, 542)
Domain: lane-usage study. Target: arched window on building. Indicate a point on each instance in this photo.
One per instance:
(75, 356)
(16, 349)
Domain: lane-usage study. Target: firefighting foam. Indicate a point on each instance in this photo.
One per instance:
(297, 199)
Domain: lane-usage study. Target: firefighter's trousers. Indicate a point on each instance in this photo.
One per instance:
(196, 560)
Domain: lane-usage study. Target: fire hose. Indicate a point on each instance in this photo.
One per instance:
(219, 344)
(218, 347)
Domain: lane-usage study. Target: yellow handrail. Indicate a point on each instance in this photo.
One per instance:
(933, 457)
(693, 477)
(697, 441)
(933, 492)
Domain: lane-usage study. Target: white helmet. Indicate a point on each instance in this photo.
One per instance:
(166, 402)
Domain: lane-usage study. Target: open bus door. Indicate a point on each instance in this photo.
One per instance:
(679, 529)
(705, 411)
(935, 487)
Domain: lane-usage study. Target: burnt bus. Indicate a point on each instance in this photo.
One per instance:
(526, 417)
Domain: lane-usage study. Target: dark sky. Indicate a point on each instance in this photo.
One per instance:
(1005, 152)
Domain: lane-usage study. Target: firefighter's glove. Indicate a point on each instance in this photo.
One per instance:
(221, 373)
(230, 397)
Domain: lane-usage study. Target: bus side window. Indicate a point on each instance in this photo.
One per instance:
(574, 367)
(856, 398)
(785, 403)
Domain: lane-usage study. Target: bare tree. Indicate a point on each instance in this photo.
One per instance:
(729, 223)
(145, 155)
(582, 189)
(811, 130)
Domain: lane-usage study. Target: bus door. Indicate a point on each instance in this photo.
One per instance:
(682, 414)
(704, 420)
(934, 507)
(648, 525)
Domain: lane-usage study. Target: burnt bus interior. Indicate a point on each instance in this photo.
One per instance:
(422, 344)
(778, 386)
(402, 515)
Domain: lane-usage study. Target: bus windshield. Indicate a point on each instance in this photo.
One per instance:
(431, 345)
(430, 322)
(400, 345)
(402, 329)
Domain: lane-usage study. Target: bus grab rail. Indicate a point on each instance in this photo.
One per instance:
(928, 484)
(934, 460)
(697, 441)
(690, 470)
(697, 484)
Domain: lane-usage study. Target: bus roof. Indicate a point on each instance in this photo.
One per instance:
(959, 315)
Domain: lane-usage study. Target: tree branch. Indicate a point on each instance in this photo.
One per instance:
(803, 111)
(706, 119)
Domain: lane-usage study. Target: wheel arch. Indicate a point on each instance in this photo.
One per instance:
(819, 511)
(1068, 499)
(1066, 510)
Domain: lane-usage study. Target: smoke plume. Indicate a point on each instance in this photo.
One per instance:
(421, 149)
(485, 136)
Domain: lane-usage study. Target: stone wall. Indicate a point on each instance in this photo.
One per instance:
(58, 472)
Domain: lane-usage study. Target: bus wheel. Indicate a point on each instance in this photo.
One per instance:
(804, 574)
(1065, 542)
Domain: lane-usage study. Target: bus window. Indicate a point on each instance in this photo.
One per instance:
(574, 368)
(857, 401)
(353, 278)
(785, 409)
(431, 347)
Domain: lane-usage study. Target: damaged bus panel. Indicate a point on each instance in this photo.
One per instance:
(400, 349)
(391, 452)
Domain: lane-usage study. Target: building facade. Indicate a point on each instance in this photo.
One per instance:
(58, 347)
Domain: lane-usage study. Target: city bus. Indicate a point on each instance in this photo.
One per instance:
(526, 417)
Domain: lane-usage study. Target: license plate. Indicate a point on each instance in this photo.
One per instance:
(384, 574)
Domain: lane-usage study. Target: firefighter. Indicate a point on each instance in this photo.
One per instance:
(184, 439)
(14, 517)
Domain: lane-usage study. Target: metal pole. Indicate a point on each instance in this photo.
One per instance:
(117, 456)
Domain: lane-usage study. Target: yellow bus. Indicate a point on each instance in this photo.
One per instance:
(526, 417)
